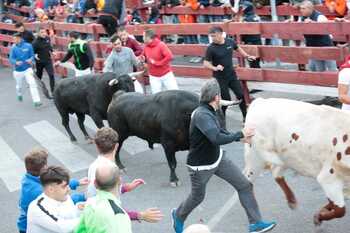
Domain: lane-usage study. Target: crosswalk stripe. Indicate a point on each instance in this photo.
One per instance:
(11, 167)
(71, 156)
(133, 145)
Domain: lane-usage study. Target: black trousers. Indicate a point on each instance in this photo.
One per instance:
(109, 23)
(234, 84)
(49, 69)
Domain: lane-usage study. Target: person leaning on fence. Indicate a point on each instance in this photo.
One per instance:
(218, 58)
(22, 60)
(31, 188)
(43, 50)
(158, 57)
(205, 159)
(310, 15)
(80, 50)
(53, 210)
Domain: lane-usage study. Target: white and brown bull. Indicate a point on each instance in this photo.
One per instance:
(312, 140)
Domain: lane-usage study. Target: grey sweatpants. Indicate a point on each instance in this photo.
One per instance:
(228, 172)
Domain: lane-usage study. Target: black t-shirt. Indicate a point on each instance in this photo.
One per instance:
(221, 54)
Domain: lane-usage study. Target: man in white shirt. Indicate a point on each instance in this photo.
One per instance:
(53, 210)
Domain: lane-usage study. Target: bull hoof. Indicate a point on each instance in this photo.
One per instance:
(175, 184)
(292, 205)
(317, 221)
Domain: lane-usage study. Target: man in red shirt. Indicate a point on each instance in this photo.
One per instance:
(129, 42)
(158, 57)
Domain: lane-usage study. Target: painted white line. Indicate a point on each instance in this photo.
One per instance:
(11, 167)
(215, 220)
(133, 145)
(58, 144)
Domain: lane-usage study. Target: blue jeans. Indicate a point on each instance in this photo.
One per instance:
(203, 39)
(322, 65)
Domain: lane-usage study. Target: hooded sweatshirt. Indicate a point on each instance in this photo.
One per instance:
(158, 51)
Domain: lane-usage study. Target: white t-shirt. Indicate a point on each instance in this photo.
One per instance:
(91, 189)
(344, 78)
(46, 215)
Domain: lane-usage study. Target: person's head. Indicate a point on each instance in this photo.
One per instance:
(123, 34)
(117, 43)
(106, 140)
(107, 177)
(17, 37)
(216, 34)
(154, 12)
(35, 160)
(19, 26)
(148, 35)
(42, 33)
(73, 36)
(210, 93)
(55, 181)
(306, 8)
(197, 228)
(40, 13)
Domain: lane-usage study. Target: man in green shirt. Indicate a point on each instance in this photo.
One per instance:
(103, 213)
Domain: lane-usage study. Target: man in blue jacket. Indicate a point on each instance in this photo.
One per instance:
(31, 187)
(22, 59)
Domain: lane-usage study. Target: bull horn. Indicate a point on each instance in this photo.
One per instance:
(113, 82)
(229, 102)
(134, 74)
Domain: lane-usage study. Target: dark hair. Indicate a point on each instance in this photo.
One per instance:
(35, 160)
(154, 11)
(215, 29)
(17, 34)
(105, 139)
(53, 174)
(115, 38)
(19, 24)
(74, 35)
(150, 33)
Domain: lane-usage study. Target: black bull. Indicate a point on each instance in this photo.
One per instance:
(91, 95)
(160, 118)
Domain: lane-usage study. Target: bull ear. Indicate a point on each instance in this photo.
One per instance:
(134, 74)
(113, 82)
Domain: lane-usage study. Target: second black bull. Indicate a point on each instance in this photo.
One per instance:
(160, 118)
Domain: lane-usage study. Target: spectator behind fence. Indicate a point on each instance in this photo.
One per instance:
(250, 16)
(336, 6)
(22, 60)
(40, 15)
(27, 36)
(104, 213)
(111, 14)
(158, 57)
(83, 58)
(106, 141)
(197, 228)
(309, 15)
(43, 50)
(31, 188)
(170, 19)
(53, 210)
(154, 15)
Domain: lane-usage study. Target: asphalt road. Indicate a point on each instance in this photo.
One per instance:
(22, 127)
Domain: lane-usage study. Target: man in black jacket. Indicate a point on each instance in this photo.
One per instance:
(42, 50)
(26, 35)
(206, 159)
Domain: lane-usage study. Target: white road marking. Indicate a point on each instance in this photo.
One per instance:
(11, 167)
(215, 220)
(58, 144)
(133, 145)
